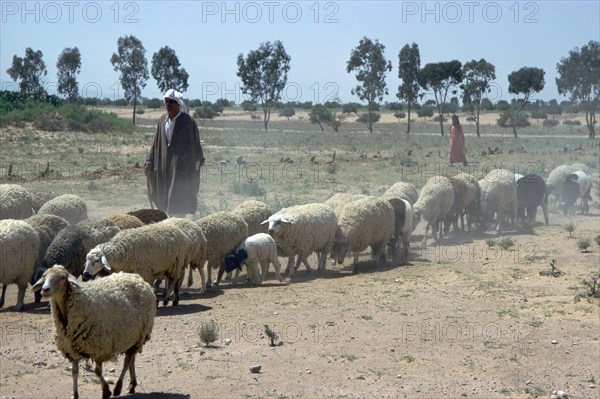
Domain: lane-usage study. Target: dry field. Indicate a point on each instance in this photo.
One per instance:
(460, 319)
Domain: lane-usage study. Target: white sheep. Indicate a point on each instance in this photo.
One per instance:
(253, 212)
(435, 201)
(47, 227)
(301, 230)
(556, 179)
(497, 195)
(402, 190)
(257, 251)
(99, 320)
(68, 206)
(196, 252)
(369, 221)
(223, 232)
(152, 251)
(466, 199)
(15, 202)
(19, 250)
(339, 200)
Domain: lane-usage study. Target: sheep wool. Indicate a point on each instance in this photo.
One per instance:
(68, 206)
(223, 232)
(148, 216)
(304, 229)
(339, 200)
(402, 190)
(195, 253)
(435, 201)
(369, 221)
(15, 202)
(125, 221)
(99, 319)
(47, 227)
(19, 250)
(152, 251)
(498, 195)
(253, 212)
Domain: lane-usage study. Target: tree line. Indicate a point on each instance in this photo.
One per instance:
(263, 73)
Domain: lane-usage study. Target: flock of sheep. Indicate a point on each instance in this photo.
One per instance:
(49, 243)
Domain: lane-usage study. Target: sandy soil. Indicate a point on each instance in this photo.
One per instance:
(459, 320)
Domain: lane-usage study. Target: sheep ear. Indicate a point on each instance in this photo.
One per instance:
(286, 221)
(265, 222)
(105, 263)
(38, 285)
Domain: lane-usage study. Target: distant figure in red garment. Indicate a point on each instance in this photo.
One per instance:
(457, 142)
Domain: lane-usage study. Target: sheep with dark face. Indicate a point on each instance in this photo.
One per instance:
(576, 185)
(403, 228)
(257, 252)
(531, 193)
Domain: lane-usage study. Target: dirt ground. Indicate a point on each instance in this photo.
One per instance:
(459, 320)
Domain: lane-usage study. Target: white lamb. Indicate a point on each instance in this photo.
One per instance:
(365, 222)
(257, 251)
(301, 230)
(435, 201)
(99, 320)
(19, 251)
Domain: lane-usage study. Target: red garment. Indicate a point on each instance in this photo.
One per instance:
(457, 144)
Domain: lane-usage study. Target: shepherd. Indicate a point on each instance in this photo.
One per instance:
(173, 163)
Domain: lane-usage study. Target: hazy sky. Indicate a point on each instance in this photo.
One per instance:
(319, 36)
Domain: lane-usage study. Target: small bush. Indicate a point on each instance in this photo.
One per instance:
(584, 243)
(597, 239)
(554, 272)
(490, 242)
(591, 287)
(248, 189)
(506, 243)
(209, 333)
(271, 335)
(570, 228)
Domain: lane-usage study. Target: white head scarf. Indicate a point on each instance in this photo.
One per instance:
(177, 96)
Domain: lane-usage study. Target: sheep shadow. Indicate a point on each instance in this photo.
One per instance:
(156, 395)
(181, 309)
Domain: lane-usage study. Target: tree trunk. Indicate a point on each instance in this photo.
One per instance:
(134, 107)
(266, 116)
(590, 120)
(370, 121)
(441, 117)
(408, 126)
(321, 126)
(515, 128)
(477, 119)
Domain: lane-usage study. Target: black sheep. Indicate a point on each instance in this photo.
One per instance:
(531, 193)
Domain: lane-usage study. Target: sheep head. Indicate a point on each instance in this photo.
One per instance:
(95, 263)
(275, 223)
(53, 280)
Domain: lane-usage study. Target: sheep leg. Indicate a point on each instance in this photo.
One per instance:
(545, 211)
(105, 390)
(129, 357)
(323, 259)
(190, 281)
(405, 245)
(304, 260)
(4, 286)
(209, 274)
(132, 379)
(277, 267)
(75, 375)
(20, 297)
(355, 263)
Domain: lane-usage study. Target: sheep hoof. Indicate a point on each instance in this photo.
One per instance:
(118, 387)
(132, 386)
(106, 393)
